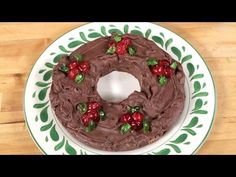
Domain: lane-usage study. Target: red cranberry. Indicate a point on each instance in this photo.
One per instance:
(126, 118)
(73, 73)
(85, 119)
(84, 66)
(126, 41)
(93, 105)
(93, 115)
(72, 65)
(137, 116)
(157, 70)
(168, 72)
(121, 49)
(164, 63)
(136, 125)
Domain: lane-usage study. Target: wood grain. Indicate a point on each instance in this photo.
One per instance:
(22, 43)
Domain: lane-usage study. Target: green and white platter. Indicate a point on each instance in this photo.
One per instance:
(186, 136)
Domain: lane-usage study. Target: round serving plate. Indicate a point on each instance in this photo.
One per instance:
(185, 137)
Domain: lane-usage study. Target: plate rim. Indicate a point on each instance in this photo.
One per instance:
(214, 87)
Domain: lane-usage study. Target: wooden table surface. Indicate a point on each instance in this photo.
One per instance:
(22, 43)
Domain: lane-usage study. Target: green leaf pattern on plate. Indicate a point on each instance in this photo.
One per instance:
(165, 151)
(115, 31)
(69, 149)
(75, 44)
(49, 65)
(42, 84)
(82, 35)
(177, 52)
(158, 40)
(60, 145)
(191, 69)
(47, 75)
(190, 131)
(40, 105)
(148, 32)
(168, 42)
(44, 114)
(42, 93)
(63, 49)
(162, 34)
(180, 139)
(137, 32)
(192, 123)
(58, 57)
(175, 147)
(126, 29)
(186, 58)
(196, 86)
(34, 94)
(103, 30)
(41, 71)
(46, 127)
(53, 133)
(94, 35)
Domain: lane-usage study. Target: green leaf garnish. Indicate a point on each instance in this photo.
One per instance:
(64, 68)
(131, 51)
(136, 108)
(79, 78)
(133, 109)
(162, 80)
(146, 126)
(91, 126)
(125, 128)
(78, 57)
(117, 38)
(129, 108)
(82, 107)
(102, 114)
(111, 50)
(152, 62)
(174, 65)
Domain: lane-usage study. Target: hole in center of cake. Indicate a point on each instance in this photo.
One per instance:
(117, 86)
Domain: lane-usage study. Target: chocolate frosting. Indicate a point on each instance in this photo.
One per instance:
(161, 104)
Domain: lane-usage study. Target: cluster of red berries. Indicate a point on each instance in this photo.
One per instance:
(92, 113)
(163, 69)
(76, 68)
(120, 45)
(134, 120)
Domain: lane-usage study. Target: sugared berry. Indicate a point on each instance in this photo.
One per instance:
(72, 65)
(73, 73)
(93, 105)
(164, 63)
(137, 116)
(93, 115)
(126, 118)
(136, 125)
(158, 70)
(122, 46)
(168, 72)
(85, 119)
(121, 49)
(84, 66)
(126, 41)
